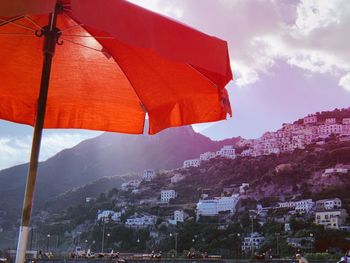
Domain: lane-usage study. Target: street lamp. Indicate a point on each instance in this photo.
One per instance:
(312, 240)
(48, 242)
(108, 235)
(239, 244)
(175, 236)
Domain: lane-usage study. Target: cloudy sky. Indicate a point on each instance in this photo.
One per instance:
(289, 58)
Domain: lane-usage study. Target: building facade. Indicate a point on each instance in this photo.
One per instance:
(167, 195)
(140, 221)
(212, 207)
(331, 219)
(252, 243)
(148, 175)
(227, 152)
(177, 178)
(192, 163)
(328, 204)
(207, 156)
(310, 119)
(108, 215)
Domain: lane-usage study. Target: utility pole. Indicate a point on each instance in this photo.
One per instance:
(251, 236)
(277, 244)
(31, 239)
(175, 238)
(48, 242)
(56, 243)
(175, 244)
(103, 233)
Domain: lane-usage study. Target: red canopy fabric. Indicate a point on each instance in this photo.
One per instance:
(117, 62)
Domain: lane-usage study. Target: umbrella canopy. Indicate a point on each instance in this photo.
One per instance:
(117, 62)
(114, 63)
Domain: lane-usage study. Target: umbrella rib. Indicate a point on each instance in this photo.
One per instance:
(101, 37)
(33, 22)
(5, 22)
(19, 25)
(70, 27)
(17, 34)
(65, 39)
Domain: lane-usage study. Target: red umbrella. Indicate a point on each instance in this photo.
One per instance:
(114, 63)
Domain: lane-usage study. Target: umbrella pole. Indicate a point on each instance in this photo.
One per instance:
(51, 35)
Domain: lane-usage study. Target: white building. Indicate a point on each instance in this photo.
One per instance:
(208, 207)
(288, 205)
(328, 129)
(345, 131)
(310, 119)
(140, 220)
(90, 199)
(212, 207)
(177, 178)
(207, 156)
(227, 152)
(179, 216)
(335, 170)
(244, 142)
(148, 175)
(252, 243)
(166, 195)
(247, 152)
(287, 227)
(192, 163)
(346, 121)
(243, 188)
(108, 215)
(330, 121)
(332, 219)
(328, 204)
(304, 206)
(131, 185)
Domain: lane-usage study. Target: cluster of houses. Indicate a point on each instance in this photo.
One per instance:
(295, 136)
(138, 220)
(326, 212)
(225, 152)
(287, 139)
(225, 204)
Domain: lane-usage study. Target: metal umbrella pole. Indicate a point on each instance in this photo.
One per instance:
(51, 35)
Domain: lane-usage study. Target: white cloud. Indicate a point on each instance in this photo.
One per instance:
(16, 150)
(308, 34)
(244, 75)
(316, 42)
(344, 82)
(316, 14)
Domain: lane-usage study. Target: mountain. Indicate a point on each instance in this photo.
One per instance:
(109, 154)
(78, 195)
(273, 178)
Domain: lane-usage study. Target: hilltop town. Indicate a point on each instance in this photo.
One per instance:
(283, 192)
(292, 136)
